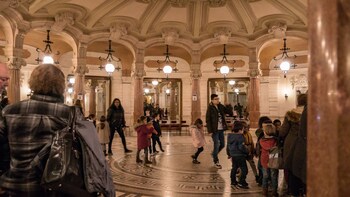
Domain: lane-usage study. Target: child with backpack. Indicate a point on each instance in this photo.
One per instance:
(103, 133)
(237, 152)
(267, 143)
(198, 139)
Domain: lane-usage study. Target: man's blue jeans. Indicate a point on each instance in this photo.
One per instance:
(219, 143)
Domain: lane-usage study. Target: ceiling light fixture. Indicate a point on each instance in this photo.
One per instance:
(167, 69)
(109, 66)
(285, 64)
(224, 64)
(47, 59)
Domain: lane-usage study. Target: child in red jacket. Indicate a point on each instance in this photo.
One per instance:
(144, 130)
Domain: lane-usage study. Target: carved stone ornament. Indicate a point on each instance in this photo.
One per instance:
(223, 34)
(217, 3)
(299, 81)
(16, 63)
(254, 73)
(278, 29)
(62, 19)
(179, 3)
(13, 3)
(195, 74)
(117, 30)
(170, 35)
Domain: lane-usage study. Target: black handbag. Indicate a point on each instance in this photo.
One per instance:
(63, 170)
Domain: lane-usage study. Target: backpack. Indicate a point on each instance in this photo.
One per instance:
(275, 158)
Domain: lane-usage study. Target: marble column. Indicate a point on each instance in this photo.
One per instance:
(156, 95)
(138, 83)
(254, 89)
(328, 147)
(225, 83)
(80, 69)
(173, 106)
(212, 85)
(196, 97)
(92, 97)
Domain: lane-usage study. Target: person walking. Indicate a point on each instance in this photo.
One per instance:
(216, 125)
(116, 120)
(156, 137)
(144, 129)
(198, 139)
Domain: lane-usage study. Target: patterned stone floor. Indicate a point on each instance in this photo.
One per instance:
(172, 173)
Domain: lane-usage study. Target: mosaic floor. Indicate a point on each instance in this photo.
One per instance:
(172, 173)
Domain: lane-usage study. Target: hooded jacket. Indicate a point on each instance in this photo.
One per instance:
(289, 132)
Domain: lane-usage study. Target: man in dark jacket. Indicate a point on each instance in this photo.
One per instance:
(216, 125)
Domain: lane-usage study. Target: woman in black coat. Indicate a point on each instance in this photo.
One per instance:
(116, 120)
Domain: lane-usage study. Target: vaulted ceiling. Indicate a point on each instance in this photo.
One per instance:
(200, 22)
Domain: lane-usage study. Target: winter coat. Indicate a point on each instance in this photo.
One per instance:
(289, 132)
(299, 156)
(266, 143)
(157, 127)
(212, 118)
(103, 134)
(198, 138)
(29, 126)
(235, 145)
(115, 117)
(143, 130)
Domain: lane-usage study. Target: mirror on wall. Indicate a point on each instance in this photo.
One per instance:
(97, 96)
(163, 96)
(233, 93)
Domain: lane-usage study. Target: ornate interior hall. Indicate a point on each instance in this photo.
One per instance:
(175, 53)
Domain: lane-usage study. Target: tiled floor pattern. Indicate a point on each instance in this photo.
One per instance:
(172, 173)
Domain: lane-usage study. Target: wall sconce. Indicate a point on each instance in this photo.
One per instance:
(155, 82)
(47, 59)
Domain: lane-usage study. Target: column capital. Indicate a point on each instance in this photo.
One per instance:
(253, 73)
(81, 67)
(16, 63)
(196, 73)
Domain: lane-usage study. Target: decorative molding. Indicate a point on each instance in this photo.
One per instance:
(62, 19)
(146, 1)
(179, 3)
(253, 73)
(16, 63)
(217, 3)
(223, 34)
(277, 28)
(117, 30)
(170, 35)
(299, 81)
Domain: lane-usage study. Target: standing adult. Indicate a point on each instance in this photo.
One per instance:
(4, 146)
(29, 126)
(116, 120)
(216, 125)
(289, 132)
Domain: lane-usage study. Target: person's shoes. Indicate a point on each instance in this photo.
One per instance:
(128, 151)
(110, 153)
(195, 161)
(217, 165)
(234, 183)
(193, 157)
(243, 185)
(155, 152)
(257, 178)
(162, 150)
(139, 161)
(265, 192)
(274, 194)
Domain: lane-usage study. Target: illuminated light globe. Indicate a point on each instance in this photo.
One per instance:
(109, 68)
(285, 66)
(224, 70)
(231, 82)
(146, 90)
(155, 82)
(167, 69)
(167, 91)
(236, 90)
(48, 60)
(70, 90)
(72, 80)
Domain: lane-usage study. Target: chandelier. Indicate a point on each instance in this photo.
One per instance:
(285, 64)
(167, 69)
(224, 64)
(47, 59)
(109, 66)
